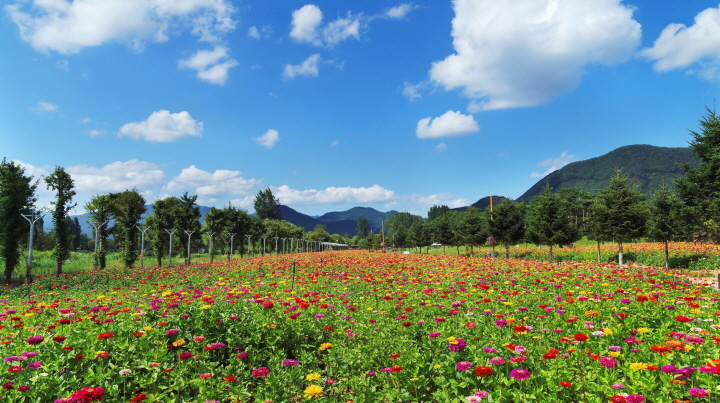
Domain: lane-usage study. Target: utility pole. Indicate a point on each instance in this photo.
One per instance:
(231, 235)
(97, 235)
(142, 245)
(189, 233)
(170, 247)
(32, 220)
(210, 234)
(264, 238)
(248, 237)
(276, 245)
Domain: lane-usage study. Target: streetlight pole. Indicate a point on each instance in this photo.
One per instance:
(189, 233)
(170, 246)
(32, 220)
(210, 234)
(231, 235)
(248, 237)
(264, 239)
(142, 244)
(284, 245)
(97, 235)
(276, 245)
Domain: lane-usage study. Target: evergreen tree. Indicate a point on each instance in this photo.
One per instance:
(668, 219)
(420, 236)
(437, 211)
(363, 227)
(625, 211)
(17, 196)
(267, 206)
(400, 237)
(700, 188)
(548, 222)
(444, 230)
(507, 225)
(595, 228)
(63, 185)
(473, 228)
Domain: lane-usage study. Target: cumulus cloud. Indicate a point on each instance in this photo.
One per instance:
(333, 195)
(115, 177)
(44, 107)
(68, 27)
(306, 27)
(210, 186)
(334, 143)
(451, 123)
(163, 126)
(437, 200)
(268, 139)
(308, 68)
(527, 52)
(263, 32)
(412, 91)
(95, 133)
(211, 65)
(399, 12)
(553, 164)
(679, 46)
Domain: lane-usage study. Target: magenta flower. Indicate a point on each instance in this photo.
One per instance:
(172, 332)
(290, 363)
(520, 373)
(457, 345)
(635, 399)
(698, 392)
(35, 339)
(260, 372)
(463, 365)
(608, 362)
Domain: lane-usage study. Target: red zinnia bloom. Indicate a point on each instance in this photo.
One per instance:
(394, 356)
(396, 368)
(103, 336)
(89, 394)
(328, 328)
(58, 339)
(565, 384)
(683, 319)
(482, 371)
(139, 398)
(471, 325)
(618, 399)
(138, 334)
(230, 379)
(519, 329)
(581, 337)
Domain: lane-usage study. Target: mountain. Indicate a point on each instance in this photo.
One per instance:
(648, 166)
(88, 230)
(374, 217)
(308, 223)
(483, 203)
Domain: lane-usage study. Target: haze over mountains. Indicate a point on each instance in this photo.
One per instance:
(648, 166)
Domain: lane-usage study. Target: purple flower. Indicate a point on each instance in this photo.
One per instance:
(35, 339)
(35, 365)
(698, 392)
(290, 363)
(617, 386)
(463, 365)
(433, 335)
(519, 373)
(172, 332)
(457, 345)
(668, 369)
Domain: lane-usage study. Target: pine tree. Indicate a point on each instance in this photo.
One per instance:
(507, 225)
(549, 223)
(668, 219)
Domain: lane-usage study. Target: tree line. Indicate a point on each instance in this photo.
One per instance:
(619, 213)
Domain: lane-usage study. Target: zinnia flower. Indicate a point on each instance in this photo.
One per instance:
(483, 371)
(520, 373)
(313, 391)
(260, 372)
(698, 392)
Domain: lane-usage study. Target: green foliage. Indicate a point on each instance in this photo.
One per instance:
(549, 223)
(63, 185)
(437, 211)
(400, 237)
(507, 225)
(100, 210)
(419, 235)
(472, 228)
(363, 227)
(700, 188)
(17, 196)
(404, 219)
(128, 208)
(267, 206)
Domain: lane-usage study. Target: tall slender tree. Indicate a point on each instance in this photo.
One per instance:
(507, 225)
(17, 196)
(549, 223)
(128, 208)
(363, 227)
(267, 206)
(100, 208)
(62, 183)
(626, 211)
(473, 228)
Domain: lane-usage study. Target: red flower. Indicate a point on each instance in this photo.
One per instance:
(482, 371)
(230, 379)
(138, 334)
(139, 398)
(519, 329)
(581, 337)
(618, 399)
(89, 394)
(394, 356)
(328, 328)
(396, 368)
(168, 370)
(565, 384)
(103, 336)
(683, 319)
(471, 325)
(58, 339)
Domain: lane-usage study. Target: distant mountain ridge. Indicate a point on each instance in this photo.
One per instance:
(646, 165)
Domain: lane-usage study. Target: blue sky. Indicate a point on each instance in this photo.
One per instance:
(385, 104)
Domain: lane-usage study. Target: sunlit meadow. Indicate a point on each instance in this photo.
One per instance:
(364, 327)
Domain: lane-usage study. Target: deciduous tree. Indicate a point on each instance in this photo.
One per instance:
(64, 187)
(17, 196)
(267, 206)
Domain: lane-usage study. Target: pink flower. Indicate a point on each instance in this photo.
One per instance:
(698, 392)
(463, 365)
(636, 399)
(198, 339)
(260, 372)
(608, 362)
(519, 373)
(205, 375)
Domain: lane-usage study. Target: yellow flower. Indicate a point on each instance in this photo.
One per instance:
(637, 366)
(614, 354)
(436, 366)
(643, 330)
(608, 331)
(325, 346)
(147, 328)
(206, 307)
(178, 343)
(313, 391)
(313, 377)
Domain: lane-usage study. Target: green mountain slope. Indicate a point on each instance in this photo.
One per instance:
(649, 166)
(373, 216)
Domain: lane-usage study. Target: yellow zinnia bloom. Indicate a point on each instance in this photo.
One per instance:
(313, 391)
(637, 366)
(313, 377)
(325, 346)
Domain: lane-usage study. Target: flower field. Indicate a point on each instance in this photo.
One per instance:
(362, 327)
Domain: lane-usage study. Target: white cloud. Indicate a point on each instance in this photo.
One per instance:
(253, 32)
(306, 27)
(115, 177)
(554, 164)
(63, 65)
(163, 126)
(305, 22)
(246, 202)
(437, 200)
(449, 124)
(210, 186)
(268, 139)
(44, 107)
(399, 12)
(335, 143)
(527, 52)
(441, 148)
(85, 120)
(68, 27)
(308, 68)
(679, 46)
(333, 195)
(412, 91)
(264, 32)
(211, 65)
(95, 133)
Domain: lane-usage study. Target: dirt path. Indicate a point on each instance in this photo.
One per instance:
(709, 278)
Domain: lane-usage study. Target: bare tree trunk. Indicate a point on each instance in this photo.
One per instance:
(620, 254)
(507, 251)
(551, 255)
(598, 251)
(667, 257)
(59, 268)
